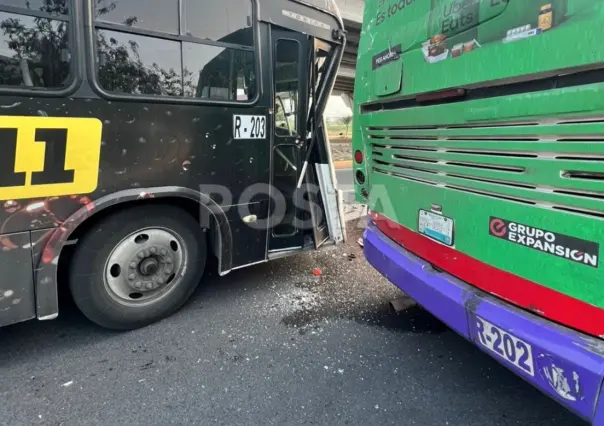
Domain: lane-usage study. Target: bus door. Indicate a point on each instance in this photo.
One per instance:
(319, 64)
(290, 96)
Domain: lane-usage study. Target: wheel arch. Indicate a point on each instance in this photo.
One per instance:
(210, 216)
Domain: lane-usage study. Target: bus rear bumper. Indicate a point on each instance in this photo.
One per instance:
(565, 364)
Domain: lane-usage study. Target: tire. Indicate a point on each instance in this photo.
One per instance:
(169, 249)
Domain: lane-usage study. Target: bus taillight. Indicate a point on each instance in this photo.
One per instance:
(358, 156)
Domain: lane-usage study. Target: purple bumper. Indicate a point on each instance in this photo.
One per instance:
(568, 365)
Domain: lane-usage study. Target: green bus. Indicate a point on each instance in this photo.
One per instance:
(479, 148)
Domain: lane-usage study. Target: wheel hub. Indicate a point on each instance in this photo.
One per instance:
(145, 264)
(150, 269)
(148, 266)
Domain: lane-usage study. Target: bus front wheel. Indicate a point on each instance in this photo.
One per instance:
(137, 266)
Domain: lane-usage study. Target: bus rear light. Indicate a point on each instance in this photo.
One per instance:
(358, 156)
(360, 177)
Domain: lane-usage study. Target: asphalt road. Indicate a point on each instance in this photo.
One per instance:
(269, 345)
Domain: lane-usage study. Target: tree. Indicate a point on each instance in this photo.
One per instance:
(346, 121)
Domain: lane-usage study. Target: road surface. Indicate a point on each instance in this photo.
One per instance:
(268, 345)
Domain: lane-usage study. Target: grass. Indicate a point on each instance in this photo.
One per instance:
(339, 132)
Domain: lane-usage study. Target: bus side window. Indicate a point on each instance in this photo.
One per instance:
(219, 73)
(228, 21)
(137, 64)
(286, 86)
(170, 62)
(34, 51)
(156, 15)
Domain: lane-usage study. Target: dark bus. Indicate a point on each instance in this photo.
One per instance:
(140, 137)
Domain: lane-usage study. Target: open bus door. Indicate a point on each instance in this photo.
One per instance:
(290, 94)
(318, 66)
(303, 189)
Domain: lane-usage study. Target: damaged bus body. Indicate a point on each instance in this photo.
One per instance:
(140, 137)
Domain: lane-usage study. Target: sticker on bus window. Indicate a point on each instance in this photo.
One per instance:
(48, 156)
(249, 127)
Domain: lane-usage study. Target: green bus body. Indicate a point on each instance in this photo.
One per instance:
(489, 109)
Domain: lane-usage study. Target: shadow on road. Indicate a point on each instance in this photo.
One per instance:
(348, 289)
(72, 328)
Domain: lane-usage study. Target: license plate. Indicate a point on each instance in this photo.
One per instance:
(512, 349)
(436, 226)
(249, 127)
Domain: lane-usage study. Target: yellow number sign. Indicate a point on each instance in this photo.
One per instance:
(48, 156)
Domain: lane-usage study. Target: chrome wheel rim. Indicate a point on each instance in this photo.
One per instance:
(145, 266)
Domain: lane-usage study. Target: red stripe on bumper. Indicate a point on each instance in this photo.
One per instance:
(526, 294)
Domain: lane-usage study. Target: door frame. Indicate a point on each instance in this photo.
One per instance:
(294, 241)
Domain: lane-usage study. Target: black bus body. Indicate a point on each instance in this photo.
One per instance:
(140, 136)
